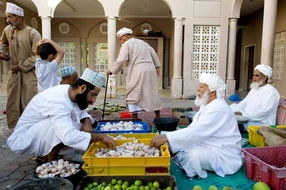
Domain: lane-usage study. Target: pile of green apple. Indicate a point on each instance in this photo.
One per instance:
(115, 184)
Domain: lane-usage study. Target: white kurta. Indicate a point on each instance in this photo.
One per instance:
(49, 119)
(214, 136)
(46, 73)
(260, 105)
(140, 61)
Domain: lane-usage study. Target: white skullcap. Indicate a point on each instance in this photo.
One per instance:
(124, 31)
(68, 70)
(214, 82)
(93, 78)
(265, 69)
(14, 9)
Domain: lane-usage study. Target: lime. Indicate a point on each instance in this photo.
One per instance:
(86, 188)
(169, 188)
(226, 188)
(104, 184)
(119, 182)
(113, 181)
(261, 186)
(90, 185)
(117, 186)
(124, 186)
(146, 187)
(138, 183)
(213, 187)
(150, 184)
(156, 184)
(126, 183)
(95, 184)
(107, 188)
(197, 187)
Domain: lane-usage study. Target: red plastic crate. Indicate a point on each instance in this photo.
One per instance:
(267, 164)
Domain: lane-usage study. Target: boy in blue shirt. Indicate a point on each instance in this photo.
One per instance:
(49, 56)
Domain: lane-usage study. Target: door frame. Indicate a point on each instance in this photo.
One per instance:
(244, 75)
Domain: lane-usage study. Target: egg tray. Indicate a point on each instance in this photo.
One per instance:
(91, 160)
(143, 123)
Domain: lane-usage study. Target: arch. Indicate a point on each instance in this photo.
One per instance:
(73, 26)
(235, 11)
(88, 34)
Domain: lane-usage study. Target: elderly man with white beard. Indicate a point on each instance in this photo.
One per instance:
(260, 105)
(212, 141)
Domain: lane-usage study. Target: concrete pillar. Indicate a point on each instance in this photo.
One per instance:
(177, 82)
(230, 82)
(83, 59)
(111, 39)
(166, 63)
(268, 31)
(46, 27)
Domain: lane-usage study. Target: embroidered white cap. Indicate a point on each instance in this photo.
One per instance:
(14, 9)
(124, 31)
(93, 78)
(265, 69)
(68, 70)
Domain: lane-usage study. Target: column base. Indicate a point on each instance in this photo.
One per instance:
(112, 87)
(177, 88)
(230, 87)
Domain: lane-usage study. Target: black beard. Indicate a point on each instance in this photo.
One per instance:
(81, 100)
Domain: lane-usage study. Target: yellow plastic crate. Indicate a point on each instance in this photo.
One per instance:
(136, 135)
(91, 160)
(125, 170)
(256, 139)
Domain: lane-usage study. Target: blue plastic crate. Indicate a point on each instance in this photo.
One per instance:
(143, 123)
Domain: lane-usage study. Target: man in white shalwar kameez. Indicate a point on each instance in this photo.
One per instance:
(142, 71)
(260, 105)
(212, 141)
(57, 116)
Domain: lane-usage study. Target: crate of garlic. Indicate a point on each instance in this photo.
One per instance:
(131, 157)
(122, 127)
(132, 136)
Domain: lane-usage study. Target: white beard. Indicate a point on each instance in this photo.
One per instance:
(256, 85)
(203, 100)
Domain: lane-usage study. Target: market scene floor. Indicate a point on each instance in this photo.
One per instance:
(15, 170)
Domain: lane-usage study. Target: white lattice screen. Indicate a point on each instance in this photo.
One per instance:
(100, 51)
(278, 55)
(205, 50)
(69, 58)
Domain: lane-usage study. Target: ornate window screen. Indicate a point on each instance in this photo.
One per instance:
(278, 55)
(205, 50)
(100, 51)
(69, 58)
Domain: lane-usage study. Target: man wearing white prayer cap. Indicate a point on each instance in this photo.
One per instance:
(57, 117)
(261, 103)
(143, 68)
(212, 141)
(17, 46)
(69, 75)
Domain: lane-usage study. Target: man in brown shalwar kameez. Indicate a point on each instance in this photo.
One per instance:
(142, 67)
(17, 45)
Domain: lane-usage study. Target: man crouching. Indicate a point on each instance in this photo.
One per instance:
(57, 117)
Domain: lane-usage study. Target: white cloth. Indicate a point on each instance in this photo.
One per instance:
(220, 136)
(124, 31)
(260, 106)
(214, 82)
(49, 119)
(14, 9)
(46, 73)
(134, 108)
(265, 69)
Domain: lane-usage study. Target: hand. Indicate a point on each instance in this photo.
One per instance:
(109, 141)
(237, 113)
(108, 72)
(158, 70)
(159, 140)
(4, 57)
(15, 68)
